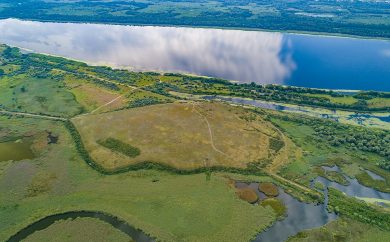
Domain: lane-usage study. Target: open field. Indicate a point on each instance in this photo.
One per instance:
(182, 135)
(79, 230)
(53, 177)
(345, 230)
(151, 200)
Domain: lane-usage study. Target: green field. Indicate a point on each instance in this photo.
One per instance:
(151, 200)
(79, 230)
(77, 126)
(345, 230)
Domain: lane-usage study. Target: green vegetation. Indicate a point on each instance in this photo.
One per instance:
(332, 176)
(109, 116)
(358, 210)
(119, 146)
(269, 189)
(363, 18)
(324, 142)
(276, 205)
(147, 199)
(343, 230)
(76, 78)
(381, 185)
(319, 186)
(79, 230)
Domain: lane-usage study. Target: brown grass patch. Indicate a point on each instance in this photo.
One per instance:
(269, 189)
(92, 97)
(178, 135)
(247, 194)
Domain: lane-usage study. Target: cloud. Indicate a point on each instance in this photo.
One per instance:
(231, 54)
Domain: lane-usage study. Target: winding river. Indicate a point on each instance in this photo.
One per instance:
(135, 234)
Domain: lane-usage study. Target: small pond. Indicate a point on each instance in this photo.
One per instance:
(135, 234)
(300, 216)
(15, 150)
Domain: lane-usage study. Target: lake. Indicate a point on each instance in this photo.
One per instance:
(244, 56)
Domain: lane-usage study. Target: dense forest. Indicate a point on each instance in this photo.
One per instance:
(361, 18)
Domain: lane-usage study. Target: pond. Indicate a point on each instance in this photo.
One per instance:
(245, 56)
(15, 150)
(135, 234)
(300, 216)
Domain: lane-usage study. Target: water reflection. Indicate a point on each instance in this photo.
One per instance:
(262, 57)
(237, 55)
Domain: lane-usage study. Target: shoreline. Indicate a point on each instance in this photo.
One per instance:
(129, 68)
(291, 32)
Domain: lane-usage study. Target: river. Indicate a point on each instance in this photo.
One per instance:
(245, 56)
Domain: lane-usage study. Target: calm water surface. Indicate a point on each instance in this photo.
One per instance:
(262, 57)
(15, 150)
(300, 216)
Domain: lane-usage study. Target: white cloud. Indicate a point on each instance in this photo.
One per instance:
(231, 54)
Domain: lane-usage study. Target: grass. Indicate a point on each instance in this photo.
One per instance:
(118, 146)
(37, 95)
(319, 186)
(343, 230)
(178, 135)
(79, 230)
(168, 206)
(247, 194)
(317, 152)
(332, 176)
(349, 100)
(91, 97)
(379, 102)
(278, 206)
(269, 189)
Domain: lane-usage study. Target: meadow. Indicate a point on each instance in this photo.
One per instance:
(151, 200)
(79, 230)
(182, 135)
(124, 118)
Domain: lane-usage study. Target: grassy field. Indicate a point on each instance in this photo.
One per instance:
(379, 102)
(345, 230)
(168, 206)
(182, 135)
(79, 230)
(340, 100)
(37, 95)
(318, 151)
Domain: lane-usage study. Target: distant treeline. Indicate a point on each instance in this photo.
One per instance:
(361, 18)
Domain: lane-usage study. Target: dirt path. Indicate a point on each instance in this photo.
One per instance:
(32, 115)
(106, 104)
(209, 128)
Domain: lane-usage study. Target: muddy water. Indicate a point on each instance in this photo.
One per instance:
(15, 150)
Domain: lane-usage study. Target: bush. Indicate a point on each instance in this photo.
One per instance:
(121, 147)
